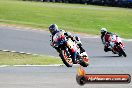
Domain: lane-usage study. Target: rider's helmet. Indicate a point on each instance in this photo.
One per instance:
(53, 28)
(103, 31)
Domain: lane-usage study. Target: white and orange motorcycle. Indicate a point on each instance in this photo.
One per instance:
(67, 47)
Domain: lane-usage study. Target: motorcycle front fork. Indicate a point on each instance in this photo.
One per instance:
(74, 57)
(68, 53)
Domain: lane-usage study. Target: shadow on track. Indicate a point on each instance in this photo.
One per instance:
(104, 56)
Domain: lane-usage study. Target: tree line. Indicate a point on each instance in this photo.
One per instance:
(115, 3)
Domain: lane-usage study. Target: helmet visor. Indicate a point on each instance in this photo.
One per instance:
(51, 30)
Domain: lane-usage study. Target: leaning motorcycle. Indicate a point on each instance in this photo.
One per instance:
(67, 47)
(117, 45)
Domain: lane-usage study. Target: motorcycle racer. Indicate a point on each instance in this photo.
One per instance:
(105, 35)
(53, 28)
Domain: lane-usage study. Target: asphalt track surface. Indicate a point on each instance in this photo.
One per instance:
(37, 42)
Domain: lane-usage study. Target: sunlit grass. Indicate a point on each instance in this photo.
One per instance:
(72, 17)
(8, 58)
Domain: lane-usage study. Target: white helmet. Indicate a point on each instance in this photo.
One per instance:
(103, 30)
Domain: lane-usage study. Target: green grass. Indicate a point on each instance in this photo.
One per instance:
(8, 58)
(71, 17)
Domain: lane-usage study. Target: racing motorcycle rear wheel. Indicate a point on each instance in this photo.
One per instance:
(66, 59)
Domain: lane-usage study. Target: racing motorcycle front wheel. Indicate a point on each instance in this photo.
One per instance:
(121, 52)
(84, 61)
(66, 59)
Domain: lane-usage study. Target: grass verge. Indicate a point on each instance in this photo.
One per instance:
(8, 58)
(72, 17)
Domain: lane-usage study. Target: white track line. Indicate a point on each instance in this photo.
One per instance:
(51, 65)
(128, 40)
(28, 65)
(19, 52)
(1, 66)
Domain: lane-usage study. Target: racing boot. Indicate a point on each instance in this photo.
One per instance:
(81, 48)
(106, 49)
